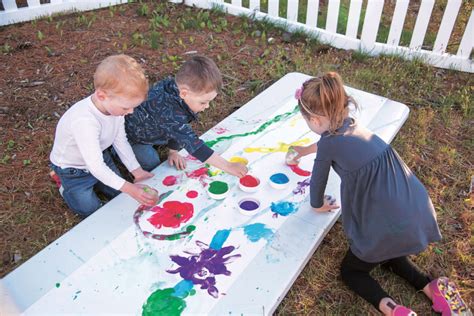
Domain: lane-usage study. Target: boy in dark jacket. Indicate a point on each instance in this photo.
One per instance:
(165, 116)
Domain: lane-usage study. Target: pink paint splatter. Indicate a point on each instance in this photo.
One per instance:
(170, 180)
(299, 171)
(220, 130)
(171, 214)
(192, 194)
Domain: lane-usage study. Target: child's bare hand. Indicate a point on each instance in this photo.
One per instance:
(304, 150)
(328, 205)
(237, 169)
(175, 159)
(140, 175)
(142, 193)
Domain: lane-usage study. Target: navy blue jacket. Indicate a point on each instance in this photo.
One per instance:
(164, 119)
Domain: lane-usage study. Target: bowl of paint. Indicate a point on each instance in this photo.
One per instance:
(249, 183)
(249, 206)
(279, 181)
(218, 190)
(152, 192)
(290, 157)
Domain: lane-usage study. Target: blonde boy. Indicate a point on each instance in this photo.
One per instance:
(80, 155)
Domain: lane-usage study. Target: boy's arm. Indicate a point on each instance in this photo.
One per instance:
(233, 168)
(127, 156)
(86, 134)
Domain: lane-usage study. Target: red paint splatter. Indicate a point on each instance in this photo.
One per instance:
(249, 181)
(200, 174)
(192, 194)
(170, 180)
(299, 171)
(220, 130)
(171, 214)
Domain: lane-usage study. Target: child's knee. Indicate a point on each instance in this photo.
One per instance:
(82, 203)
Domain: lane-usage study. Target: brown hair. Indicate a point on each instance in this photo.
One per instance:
(325, 96)
(121, 74)
(200, 74)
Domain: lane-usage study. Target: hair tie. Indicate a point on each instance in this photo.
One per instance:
(299, 93)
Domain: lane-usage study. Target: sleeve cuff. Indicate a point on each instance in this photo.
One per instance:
(172, 144)
(203, 153)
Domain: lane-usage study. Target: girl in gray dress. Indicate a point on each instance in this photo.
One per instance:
(386, 211)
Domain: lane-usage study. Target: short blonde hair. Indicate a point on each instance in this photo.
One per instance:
(325, 96)
(200, 74)
(122, 75)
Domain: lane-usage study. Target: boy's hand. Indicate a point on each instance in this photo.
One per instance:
(237, 169)
(139, 175)
(328, 205)
(137, 192)
(175, 159)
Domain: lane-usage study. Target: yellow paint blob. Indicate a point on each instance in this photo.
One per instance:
(241, 160)
(282, 147)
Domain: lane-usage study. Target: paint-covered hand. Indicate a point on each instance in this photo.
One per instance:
(236, 169)
(328, 205)
(175, 159)
(139, 175)
(304, 150)
(138, 192)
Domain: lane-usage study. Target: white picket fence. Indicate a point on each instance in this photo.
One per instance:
(367, 42)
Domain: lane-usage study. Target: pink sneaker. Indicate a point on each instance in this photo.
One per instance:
(400, 310)
(446, 298)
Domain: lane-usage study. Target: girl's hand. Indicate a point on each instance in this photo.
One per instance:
(304, 150)
(175, 159)
(328, 205)
(139, 175)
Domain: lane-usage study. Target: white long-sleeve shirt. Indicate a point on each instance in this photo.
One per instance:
(83, 133)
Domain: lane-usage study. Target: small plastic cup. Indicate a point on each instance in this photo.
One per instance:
(218, 190)
(290, 157)
(152, 192)
(249, 183)
(249, 206)
(279, 181)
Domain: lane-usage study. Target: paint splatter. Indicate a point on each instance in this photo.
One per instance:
(58, 285)
(220, 130)
(219, 239)
(257, 231)
(262, 127)
(200, 174)
(282, 147)
(238, 159)
(218, 187)
(201, 268)
(249, 181)
(299, 171)
(283, 208)
(171, 214)
(192, 194)
(279, 178)
(170, 180)
(164, 302)
(76, 295)
(301, 186)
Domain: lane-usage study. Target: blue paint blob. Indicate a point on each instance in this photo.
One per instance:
(183, 288)
(249, 205)
(257, 231)
(284, 208)
(219, 239)
(279, 178)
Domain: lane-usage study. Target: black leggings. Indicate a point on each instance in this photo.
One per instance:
(356, 275)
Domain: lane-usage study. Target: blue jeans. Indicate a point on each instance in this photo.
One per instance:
(147, 156)
(79, 187)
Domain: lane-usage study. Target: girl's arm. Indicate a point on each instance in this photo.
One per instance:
(305, 150)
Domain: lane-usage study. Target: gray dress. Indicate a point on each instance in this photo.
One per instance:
(386, 210)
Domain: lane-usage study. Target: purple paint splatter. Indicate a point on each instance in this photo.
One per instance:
(301, 187)
(201, 268)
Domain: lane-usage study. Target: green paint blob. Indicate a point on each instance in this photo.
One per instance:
(192, 292)
(190, 228)
(162, 302)
(218, 187)
(258, 130)
(58, 285)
